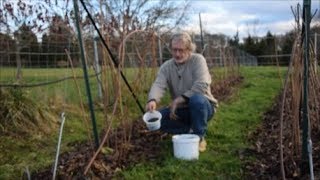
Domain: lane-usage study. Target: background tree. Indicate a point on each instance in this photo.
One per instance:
(44, 50)
(117, 18)
(266, 47)
(26, 15)
(60, 36)
(260, 46)
(249, 45)
(26, 42)
(120, 17)
(269, 41)
(7, 46)
(235, 40)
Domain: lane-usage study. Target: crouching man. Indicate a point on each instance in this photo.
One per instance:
(186, 76)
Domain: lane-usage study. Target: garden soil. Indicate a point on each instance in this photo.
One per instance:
(266, 149)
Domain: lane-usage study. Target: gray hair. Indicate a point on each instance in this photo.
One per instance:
(185, 38)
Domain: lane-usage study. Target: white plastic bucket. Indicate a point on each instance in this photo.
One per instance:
(186, 146)
(152, 120)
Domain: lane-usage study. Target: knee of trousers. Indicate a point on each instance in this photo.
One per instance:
(197, 100)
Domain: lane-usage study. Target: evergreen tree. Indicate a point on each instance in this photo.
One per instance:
(235, 41)
(7, 46)
(60, 38)
(26, 42)
(270, 44)
(249, 45)
(267, 48)
(28, 45)
(288, 41)
(45, 51)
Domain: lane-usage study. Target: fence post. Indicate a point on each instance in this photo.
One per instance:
(97, 65)
(160, 48)
(305, 116)
(85, 72)
(315, 52)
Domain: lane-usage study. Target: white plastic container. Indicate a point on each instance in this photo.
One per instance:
(152, 120)
(186, 146)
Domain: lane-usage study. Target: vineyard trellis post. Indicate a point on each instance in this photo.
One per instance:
(85, 72)
(306, 139)
(160, 48)
(97, 65)
(201, 33)
(315, 52)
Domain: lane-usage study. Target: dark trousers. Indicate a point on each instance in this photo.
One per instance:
(191, 119)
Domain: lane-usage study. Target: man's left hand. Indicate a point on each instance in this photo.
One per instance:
(174, 105)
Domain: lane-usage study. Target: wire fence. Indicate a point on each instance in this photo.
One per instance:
(52, 67)
(48, 55)
(140, 50)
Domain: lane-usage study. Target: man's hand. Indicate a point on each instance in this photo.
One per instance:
(174, 105)
(151, 105)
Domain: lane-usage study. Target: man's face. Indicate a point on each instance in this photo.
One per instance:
(179, 51)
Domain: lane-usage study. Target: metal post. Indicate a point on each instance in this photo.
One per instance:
(305, 118)
(85, 72)
(310, 159)
(160, 48)
(315, 52)
(220, 57)
(97, 65)
(202, 43)
(63, 118)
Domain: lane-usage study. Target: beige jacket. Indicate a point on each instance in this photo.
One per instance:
(183, 79)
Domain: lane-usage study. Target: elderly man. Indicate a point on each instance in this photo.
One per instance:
(188, 80)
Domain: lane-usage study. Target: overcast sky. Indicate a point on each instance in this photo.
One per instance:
(254, 17)
(248, 16)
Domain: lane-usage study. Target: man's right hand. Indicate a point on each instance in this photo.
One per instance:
(151, 106)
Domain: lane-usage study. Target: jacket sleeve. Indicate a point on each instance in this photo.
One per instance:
(201, 77)
(159, 86)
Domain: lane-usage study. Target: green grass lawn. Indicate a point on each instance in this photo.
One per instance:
(227, 135)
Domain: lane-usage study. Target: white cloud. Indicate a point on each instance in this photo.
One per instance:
(247, 16)
(281, 27)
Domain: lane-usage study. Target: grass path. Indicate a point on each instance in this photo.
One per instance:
(227, 134)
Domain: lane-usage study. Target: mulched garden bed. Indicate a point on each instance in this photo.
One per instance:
(266, 149)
